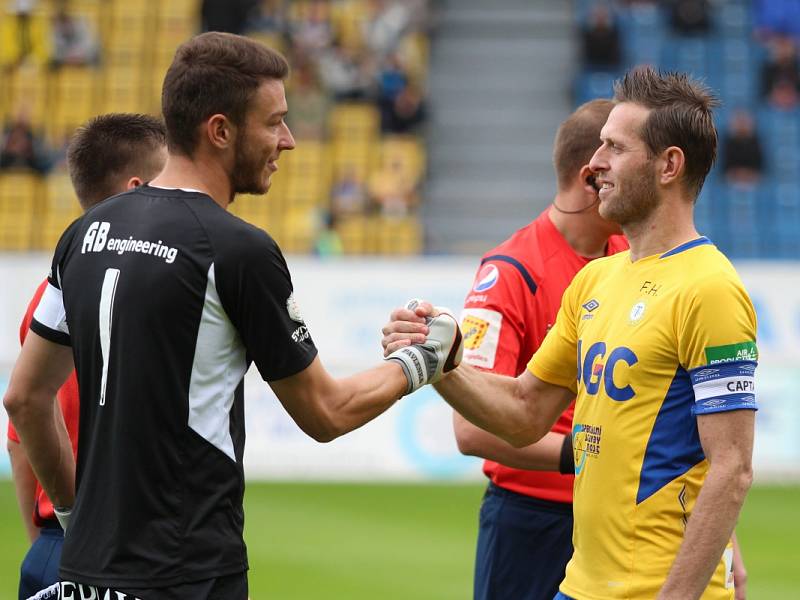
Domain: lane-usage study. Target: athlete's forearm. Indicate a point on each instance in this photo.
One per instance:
(708, 531)
(544, 455)
(364, 396)
(24, 486)
(519, 410)
(42, 432)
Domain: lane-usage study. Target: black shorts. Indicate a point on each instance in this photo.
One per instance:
(227, 587)
(524, 545)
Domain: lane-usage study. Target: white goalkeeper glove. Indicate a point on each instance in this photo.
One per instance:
(440, 353)
(63, 514)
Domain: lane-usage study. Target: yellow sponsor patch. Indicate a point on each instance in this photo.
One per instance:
(473, 330)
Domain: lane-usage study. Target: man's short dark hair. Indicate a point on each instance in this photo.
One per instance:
(578, 138)
(680, 115)
(111, 149)
(214, 73)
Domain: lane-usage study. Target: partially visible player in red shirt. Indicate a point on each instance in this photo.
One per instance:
(525, 535)
(108, 155)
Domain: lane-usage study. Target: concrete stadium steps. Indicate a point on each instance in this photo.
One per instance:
(499, 86)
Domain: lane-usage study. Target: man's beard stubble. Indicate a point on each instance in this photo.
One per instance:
(246, 177)
(638, 198)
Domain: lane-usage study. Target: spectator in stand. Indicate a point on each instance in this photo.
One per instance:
(312, 33)
(345, 74)
(689, 17)
(405, 113)
(347, 194)
(21, 148)
(268, 17)
(328, 242)
(743, 160)
(392, 80)
(391, 192)
(601, 41)
(780, 76)
(74, 42)
(386, 25)
(226, 15)
(308, 118)
(23, 34)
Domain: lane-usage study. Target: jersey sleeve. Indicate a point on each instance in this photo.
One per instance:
(50, 317)
(556, 359)
(255, 289)
(493, 319)
(717, 345)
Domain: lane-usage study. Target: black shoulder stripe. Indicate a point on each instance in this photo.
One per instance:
(57, 337)
(517, 265)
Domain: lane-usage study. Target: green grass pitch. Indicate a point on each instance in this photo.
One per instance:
(353, 542)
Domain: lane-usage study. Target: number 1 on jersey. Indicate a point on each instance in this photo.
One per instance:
(106, 313)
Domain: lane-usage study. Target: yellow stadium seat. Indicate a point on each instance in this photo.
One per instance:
(405, 151)
(75, 94)
(122, 91)
(398, 236)
(60, 207)
(19, 200)
(355, 233)
(355, 157)
(28, 91)
(36, 32)
(354, 121)
(299, 225)
(347, 19)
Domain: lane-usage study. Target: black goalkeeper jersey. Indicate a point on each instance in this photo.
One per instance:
(166, 299)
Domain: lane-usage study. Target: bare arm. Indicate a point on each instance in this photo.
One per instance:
(727, 440)
(739, 571)
(25, 487)
(41, 369)
(544, 455)
(519, 410)
(326, 408)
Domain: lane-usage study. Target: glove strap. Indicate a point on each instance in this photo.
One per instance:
(414, 367)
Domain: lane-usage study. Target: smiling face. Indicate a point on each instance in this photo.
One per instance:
(262, 137)
(623, 168)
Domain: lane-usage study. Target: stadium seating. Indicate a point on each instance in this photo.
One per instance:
(138, 41)
(762, 221)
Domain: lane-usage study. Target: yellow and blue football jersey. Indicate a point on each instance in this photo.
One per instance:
(658, 341)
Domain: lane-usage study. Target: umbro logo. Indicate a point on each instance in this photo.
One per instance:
(591, 305)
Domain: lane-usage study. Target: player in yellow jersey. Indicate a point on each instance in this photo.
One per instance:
(664, 337)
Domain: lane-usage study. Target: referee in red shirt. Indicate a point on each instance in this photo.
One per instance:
(525, 533)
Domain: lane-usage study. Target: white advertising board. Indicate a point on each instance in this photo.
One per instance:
(346, 302)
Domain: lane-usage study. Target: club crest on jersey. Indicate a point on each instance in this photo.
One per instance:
(473, 331)
(487, 278)
(293, 309)
(637, 312)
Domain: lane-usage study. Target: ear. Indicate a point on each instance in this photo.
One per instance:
(133, 182)
(220, 131)
(672, 163)
(586, 177)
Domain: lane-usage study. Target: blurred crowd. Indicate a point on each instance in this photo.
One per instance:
(776, 29)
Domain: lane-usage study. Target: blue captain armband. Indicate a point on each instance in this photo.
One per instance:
(724, 386)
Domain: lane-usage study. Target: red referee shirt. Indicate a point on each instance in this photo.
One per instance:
(67, 398)
(513, 302)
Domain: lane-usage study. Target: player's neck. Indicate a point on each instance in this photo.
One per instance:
(580, 230)
(195, 173)
(669, 226)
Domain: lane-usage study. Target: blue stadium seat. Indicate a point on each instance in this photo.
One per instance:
(594, 84)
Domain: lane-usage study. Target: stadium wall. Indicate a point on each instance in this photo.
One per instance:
(345, 303)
